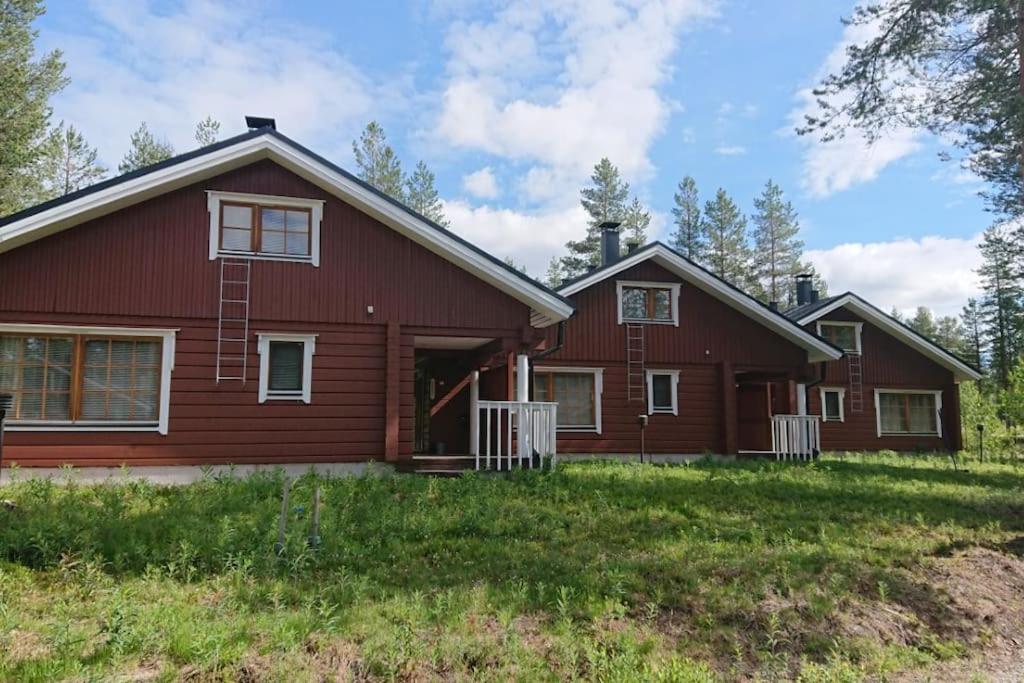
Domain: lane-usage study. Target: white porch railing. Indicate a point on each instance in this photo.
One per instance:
(508, 433)
(796, 437)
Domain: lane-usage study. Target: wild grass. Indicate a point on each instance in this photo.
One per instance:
(595, 571)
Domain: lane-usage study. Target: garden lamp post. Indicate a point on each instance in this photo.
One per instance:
(6, 402)
(981, 442)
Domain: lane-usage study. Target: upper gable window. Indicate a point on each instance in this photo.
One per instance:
(845, 335)
(648, 302)
(264, 226)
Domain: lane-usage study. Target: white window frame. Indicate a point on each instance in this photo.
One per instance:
(857, 329)
(674, 375)
(162, 423)
(938, 412)
(263, 349)
(842, 399)
(598, 374)
(316, 213)
(620, 285)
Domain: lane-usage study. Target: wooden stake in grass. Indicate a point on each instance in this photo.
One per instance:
(314, 532)
(282, 523)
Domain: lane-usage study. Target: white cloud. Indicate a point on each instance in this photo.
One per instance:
(837, 165)
(530, 239)
(731, 150)
(171, 68)
(937, 272)
(602, 63)
(481, 183)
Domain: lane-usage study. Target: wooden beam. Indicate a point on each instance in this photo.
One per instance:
(729, 415)
(510, 379)
(452, 393)
(393, 391)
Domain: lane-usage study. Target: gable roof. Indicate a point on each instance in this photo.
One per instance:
(817, 348)
(808, 313)
(108, 196)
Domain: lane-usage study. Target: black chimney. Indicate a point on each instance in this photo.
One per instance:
(631, 246)
(774, 305)
(257, 122)
(803, 289)
(814, 296)
(609, 242)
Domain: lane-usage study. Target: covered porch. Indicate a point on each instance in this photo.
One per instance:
(465, 414)
(770, 416)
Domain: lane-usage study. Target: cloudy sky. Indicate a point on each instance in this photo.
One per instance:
(511, 104)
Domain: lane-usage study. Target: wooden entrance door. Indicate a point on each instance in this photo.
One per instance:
(421, 390)
(753, 413)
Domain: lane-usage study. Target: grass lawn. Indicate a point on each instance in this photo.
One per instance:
(839, 570)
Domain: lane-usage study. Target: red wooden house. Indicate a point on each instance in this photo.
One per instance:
(656, 335)
(893, 389)
(251, 302)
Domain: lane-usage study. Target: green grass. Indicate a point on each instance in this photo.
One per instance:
(596, 571)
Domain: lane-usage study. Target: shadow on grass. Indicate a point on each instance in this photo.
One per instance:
(615, 531)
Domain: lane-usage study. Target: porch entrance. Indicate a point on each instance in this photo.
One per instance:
(754, 415)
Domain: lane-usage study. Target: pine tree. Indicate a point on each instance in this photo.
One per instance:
(70, 163)
(728, 253)
(555, 275)
(421, 195)
(511, 263)
(207, 131)
(949, 333)
(635, 223)
(923, 322)
(897, 316)
(377, 162)
(26, 85)
(1001, 308)
(604, 200)
(973, 347)
(777, 251)
(146, 150)
(690, 238)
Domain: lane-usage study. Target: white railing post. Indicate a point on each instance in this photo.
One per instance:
(796, 437)
(474, 416)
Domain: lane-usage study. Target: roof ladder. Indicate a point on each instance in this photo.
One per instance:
(233, 321)
(856, 375)
(636, 383)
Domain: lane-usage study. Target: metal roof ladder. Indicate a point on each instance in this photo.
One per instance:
(856, 373)
(233, 320)
(636, 383)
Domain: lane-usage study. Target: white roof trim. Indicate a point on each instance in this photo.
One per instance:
(546, 308)
(817, 349)
(960, 370)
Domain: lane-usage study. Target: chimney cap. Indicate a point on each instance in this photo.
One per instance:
(803, 276)
(257, 122)
(610, 225)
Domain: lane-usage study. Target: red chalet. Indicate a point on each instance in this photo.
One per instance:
(251, 302)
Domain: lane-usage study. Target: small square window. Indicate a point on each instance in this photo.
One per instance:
(832, 405)
(662, 390)
(286, 364)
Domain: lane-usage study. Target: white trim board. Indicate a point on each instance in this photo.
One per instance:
(308, 342)
(547, 308)
(817, 349)
(886, 323)
(598, 374)
(167, 338)
(316, 215)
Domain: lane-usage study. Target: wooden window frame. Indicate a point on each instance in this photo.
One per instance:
(822, 391)
(857, 329)
(937, 406)
(598, 374)
(672, 287)
(217, 200)
(264, 340)
(79, 336)
(673, 376)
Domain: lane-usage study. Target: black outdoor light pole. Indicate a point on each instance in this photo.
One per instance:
(642, 421)
(981, 443)
(6, 401)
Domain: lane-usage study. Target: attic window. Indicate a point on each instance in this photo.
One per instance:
(845, 335)
(263, 226)
(648, 302)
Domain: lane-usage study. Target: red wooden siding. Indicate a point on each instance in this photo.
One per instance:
(711, 342)
(887, 363)
(148, 265)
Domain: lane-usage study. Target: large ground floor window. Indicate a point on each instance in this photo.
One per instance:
(908, 412)
(577, 392)
(85, 377)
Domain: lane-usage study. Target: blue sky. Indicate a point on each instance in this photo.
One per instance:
(512, 103)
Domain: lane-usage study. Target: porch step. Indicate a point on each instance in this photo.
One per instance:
(437, 465)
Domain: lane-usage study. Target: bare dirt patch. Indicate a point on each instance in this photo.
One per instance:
(20, 646)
